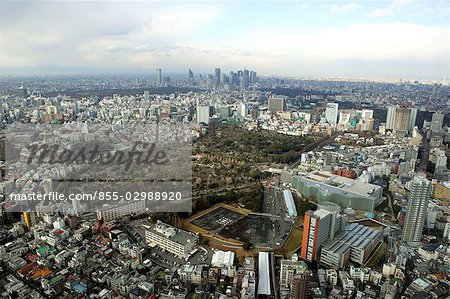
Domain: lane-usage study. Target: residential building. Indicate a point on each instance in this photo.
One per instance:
(418, 196)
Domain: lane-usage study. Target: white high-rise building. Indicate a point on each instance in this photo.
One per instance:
(243, 110)
(418, 195)
(331, 113)
(203, 114)
(344, 118)
(390, 118)
(412, 116)
(367, 114)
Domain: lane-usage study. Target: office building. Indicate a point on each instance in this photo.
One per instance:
(401, 120)
(390, 118)
(356, 243)
(223, 112)
(191, 77)
(418, 195)
(412, 118)
(366, 114)
(253, 77)
(344, 118)
(171, 239)
(158, 76)
(203, 113)
(331, 113)
(318, 227)
(147, 95)
(324, 186)
(245, 76)
(243, 109)
(217, 77)
(437, 121)
(22, 92)
(276, 104)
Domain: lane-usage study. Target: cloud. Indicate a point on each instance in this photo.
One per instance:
(381, 12)
(342, 9)
(118, 36)
(391, 8)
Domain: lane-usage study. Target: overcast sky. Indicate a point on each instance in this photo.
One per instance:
(391, 39)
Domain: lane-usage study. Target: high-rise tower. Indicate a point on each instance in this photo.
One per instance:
(418, 195)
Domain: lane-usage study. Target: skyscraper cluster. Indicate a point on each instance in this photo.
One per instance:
(240, 79)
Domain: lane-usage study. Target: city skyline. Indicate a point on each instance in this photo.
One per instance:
(380, 39)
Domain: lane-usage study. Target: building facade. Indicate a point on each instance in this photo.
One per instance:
(418, 196)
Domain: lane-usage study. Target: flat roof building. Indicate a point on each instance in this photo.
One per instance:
(356, 243)
(264, 274)
(345, 192)
(176, 241)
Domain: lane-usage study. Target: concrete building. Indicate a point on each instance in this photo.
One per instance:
(203, 113)
(367, 114)
(300, 285)
(118, 211)
(331, 113)
(418, 195)
(288, 269)
(401, 120)
(354, 244)
(158, 76)
(390, 118)
(324, 186)
(172, 239)
(276, 104)
(223, 259)
(319, 226)
(437, 121)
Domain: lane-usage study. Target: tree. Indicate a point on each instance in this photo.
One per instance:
(247, 246)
